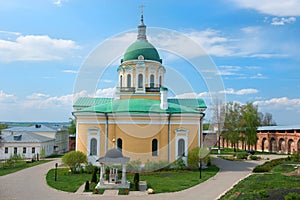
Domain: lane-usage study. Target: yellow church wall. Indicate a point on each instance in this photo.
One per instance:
(138, 137)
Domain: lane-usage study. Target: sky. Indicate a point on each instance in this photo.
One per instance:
(44, 46)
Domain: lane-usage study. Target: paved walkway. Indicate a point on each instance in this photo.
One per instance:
(30, 184)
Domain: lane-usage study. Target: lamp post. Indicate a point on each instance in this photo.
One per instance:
(200, 168)
(55, 177)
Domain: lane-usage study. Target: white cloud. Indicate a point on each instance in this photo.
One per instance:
(212, 41)
(272, 7)
(107, 81)
(36, 96)
(70, 71)
(7, 98)
(282, 21)
(282, 102)
(240, 92)
(59, 2)
(35, 48)
(230, 91)
(106, 92)
(229, 70)
(194, 95)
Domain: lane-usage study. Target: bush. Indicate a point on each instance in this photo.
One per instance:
(89, 168)
(123, 191)
(154, 166)
(193, 158)
(266, 167)
(242, 155)
(134, 166)
(94, 176)
(263, 194)
(74, 159)
(179, 164)
(136, 181)
(254, 157)
(292, 196)
(87, 186)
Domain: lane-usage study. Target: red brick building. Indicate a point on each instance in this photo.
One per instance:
(280, 139)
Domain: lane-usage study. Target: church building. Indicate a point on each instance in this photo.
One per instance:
(141, 120)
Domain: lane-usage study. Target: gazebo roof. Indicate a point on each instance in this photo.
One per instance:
(113, 156)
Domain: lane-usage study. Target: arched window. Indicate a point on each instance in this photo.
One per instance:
(181, 145)
(121, 81)
(119, 144)
(160, 82)
(128, 80)
(152, 81)
(93, 147)
(154, 147)
(140, 81)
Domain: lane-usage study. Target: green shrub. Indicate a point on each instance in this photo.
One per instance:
(87, 186)
(254, 157)
(94, 176)
(136, 181)
(89, 168)
(242, 155)
(193, 158)
(154, 166)
(74, 159)
(266, 167)
(292, 196)
(134, 166)
(123, 191)
(179, 164)
(263, 194)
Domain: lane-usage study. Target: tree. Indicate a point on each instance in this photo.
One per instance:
(3, 126)
(232, 123)
(267, 119)
(74, 159)
(249, 123)
(72, 128)
(218, 118)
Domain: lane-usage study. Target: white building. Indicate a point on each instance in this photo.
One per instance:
(61, 137)
(29, 145)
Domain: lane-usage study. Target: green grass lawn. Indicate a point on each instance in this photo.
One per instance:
(19, 166)
(273, 185)
(166, 181)
(65, 180)
(172, 181)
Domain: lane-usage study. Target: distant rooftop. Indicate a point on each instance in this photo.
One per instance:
(34, 128)
(25, 138)
(278, 128)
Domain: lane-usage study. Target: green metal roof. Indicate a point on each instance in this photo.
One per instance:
(138, 106)
(89, 101)
(141, 47)
(85, 102)
(193, 103)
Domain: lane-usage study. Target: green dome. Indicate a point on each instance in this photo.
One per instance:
(141, 47)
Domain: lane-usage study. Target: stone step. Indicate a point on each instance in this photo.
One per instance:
(111, 193)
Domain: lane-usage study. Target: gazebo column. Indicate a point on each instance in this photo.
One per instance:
(123, 174)
(101, 174)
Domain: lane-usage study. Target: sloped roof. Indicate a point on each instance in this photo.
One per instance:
(85, 102)
(113, 156)
(34, 128)
(138, 106)
(278, 128)
(25, 138)
(88, 101)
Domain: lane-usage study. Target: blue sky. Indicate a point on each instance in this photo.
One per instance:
(254, 45)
